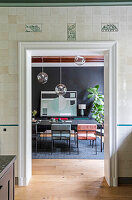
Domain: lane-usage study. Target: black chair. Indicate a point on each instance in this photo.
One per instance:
(35, 134)
(60, 132)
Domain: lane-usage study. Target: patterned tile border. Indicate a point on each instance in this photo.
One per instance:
(71, 31)
(33, 27)
(109, 27)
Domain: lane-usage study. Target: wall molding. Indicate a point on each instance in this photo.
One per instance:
(124, 124)
(58, 3)
(9, 125)
(25, 50)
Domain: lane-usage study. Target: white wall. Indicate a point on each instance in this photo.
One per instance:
(54, 28)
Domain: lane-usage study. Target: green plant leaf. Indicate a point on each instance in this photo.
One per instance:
(100, 107)
(92, 90)
(96, 86)
(94, 116)
(101, 96)
(90, 96)
(98, 104)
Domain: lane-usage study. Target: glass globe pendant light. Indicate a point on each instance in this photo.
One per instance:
(42, 77)
(60, 89)
(79, 60)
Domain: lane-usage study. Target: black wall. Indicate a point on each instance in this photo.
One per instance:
(75, 78)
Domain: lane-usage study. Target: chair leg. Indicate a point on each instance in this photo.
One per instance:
(74, 138)
(77, 141)
(69, 146)
(53, 143)
(92, 143)
(52, 146)
(96, 146)
(36, 144)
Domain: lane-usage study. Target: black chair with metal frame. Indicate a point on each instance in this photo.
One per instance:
(35, 134)
(60, 132)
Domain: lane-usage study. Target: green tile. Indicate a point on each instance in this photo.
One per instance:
(109, 27)
(71, 31)
(33, 28)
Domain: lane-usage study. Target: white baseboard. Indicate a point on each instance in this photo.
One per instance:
(22, 181)
(115, 182)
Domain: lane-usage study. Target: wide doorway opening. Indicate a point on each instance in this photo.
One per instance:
(67, 106)
(69, 124)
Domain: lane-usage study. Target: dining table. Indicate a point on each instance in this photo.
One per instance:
(74, 123)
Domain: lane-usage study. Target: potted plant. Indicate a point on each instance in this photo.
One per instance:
(34, 113)
(98, 104)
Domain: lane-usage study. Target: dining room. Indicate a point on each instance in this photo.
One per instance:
(65, 93)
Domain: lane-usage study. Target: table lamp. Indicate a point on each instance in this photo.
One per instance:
(82, 107)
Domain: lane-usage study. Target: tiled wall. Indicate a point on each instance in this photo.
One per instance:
(53, 23)
(125, 151)
(8, 141)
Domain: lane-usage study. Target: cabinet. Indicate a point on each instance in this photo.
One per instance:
(7, 183)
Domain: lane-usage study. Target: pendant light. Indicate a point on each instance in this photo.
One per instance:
(79, 60)
(42, 77)
(60, 89)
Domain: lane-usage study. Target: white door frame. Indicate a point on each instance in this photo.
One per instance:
(24, 136)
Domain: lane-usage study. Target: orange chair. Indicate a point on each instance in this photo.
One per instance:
(87, 132)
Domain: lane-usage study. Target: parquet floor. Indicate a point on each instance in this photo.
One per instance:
(70, 180)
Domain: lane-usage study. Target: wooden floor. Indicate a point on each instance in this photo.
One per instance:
(70, 180)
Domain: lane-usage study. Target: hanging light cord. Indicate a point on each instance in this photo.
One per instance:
(60, 75)
(60, 70)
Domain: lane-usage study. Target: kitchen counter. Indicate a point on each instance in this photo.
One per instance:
(5, 162)
(7, 177)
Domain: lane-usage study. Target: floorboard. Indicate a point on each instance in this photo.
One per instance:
(66, 179)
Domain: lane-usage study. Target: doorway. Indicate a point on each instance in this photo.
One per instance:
(65, 109)
(28, 49)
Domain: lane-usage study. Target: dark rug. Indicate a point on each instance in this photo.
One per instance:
(61, 150)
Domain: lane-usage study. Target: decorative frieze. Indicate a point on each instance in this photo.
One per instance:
(109, 27)
(33, 27)
(71, 31)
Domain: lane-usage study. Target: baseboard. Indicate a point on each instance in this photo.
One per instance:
(114, 182)
(124, 180)
(16, 180)
(23, 181)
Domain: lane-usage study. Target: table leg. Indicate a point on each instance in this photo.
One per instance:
(77, 140)
(101, 139)
(36, 138)
(69, 145)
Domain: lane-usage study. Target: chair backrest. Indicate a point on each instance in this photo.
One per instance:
(61, 131)
(85, 127)
(61, 127)
(86, 131)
